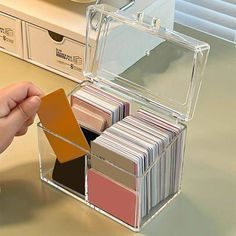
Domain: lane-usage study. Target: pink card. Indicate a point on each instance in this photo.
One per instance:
(112, 197)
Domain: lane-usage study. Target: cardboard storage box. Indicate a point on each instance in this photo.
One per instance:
(55, 51)
(11, 35)
(66, 21)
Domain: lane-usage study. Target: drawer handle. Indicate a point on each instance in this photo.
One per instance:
(55, 36)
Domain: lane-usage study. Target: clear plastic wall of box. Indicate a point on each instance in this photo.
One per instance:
(48, 160)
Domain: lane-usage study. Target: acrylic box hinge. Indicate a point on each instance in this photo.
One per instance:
(80, 85)
(143, 19)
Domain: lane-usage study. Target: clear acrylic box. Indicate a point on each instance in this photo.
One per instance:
(165, 82)
(137, 219)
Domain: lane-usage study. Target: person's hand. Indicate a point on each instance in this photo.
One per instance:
(18, 106)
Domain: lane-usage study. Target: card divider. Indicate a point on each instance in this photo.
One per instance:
(88, 152)
(62, 138)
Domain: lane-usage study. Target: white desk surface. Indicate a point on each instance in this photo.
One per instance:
(207, 204)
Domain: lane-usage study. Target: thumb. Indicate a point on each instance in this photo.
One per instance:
(23, 112)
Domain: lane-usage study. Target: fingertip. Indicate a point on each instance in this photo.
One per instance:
(31, 105)
(18, 92)
(35, 101)
(32, 89)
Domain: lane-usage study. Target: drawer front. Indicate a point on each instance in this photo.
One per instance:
(55, 51)
(11, 34)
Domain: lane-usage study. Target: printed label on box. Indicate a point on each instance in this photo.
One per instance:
(7, 35)
(10, 34)
(72, 62)
(66, 56)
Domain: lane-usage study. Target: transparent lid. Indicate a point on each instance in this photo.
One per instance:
(135, 54)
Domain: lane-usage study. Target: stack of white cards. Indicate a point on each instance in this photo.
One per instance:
(155, 146)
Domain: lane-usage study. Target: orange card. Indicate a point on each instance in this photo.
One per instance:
(56, 116)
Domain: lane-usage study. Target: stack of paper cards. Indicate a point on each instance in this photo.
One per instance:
(96, 109)
(141, 157)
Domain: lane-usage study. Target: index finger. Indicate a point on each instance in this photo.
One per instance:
(15, 94)
(20, 91)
